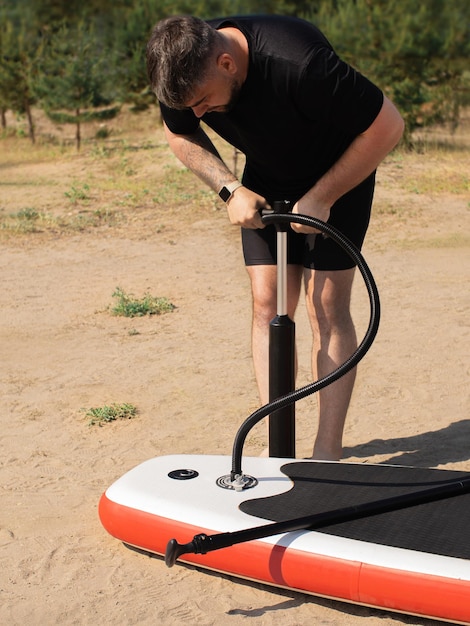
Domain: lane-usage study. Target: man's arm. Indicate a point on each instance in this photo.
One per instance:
(358, 161)
(198, 153)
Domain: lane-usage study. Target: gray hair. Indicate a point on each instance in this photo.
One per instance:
(179, 52)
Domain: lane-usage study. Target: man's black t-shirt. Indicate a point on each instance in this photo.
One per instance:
(299, 108)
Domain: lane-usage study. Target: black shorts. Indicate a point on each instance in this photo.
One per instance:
(350, 215)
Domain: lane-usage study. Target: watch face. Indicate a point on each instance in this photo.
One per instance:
(225, 194)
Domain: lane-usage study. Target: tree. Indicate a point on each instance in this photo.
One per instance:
(16, 53)
(128, 32)
(415, 50)
(74, 78)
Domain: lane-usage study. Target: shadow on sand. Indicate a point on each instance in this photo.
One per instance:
(439, 447)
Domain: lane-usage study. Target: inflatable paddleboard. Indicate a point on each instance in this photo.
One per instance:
(414, 560)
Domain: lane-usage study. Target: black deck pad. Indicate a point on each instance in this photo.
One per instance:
(441, 527)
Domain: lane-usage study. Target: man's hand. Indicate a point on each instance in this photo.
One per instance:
(244, 208)
(306, 207)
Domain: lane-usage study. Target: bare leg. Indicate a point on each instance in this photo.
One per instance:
(334, 340)
(264, 290)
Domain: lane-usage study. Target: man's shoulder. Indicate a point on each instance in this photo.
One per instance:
(276, 33)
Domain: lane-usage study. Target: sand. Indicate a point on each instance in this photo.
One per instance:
(190, 375)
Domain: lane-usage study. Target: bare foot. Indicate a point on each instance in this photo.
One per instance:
(326, 455)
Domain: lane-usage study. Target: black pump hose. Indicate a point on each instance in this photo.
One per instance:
(345, 367)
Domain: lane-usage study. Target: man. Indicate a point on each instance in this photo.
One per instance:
(313, 131)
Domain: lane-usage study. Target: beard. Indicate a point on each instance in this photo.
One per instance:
(235, 90)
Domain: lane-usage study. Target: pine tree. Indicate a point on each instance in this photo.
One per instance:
(415, 50)
(16, 53)
(74, 78)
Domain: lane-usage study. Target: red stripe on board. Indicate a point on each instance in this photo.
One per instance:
(353, 581)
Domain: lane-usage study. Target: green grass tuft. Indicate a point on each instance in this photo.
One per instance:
(128, 306)
(104, 414)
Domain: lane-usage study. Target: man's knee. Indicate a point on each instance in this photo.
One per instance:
(328, 301)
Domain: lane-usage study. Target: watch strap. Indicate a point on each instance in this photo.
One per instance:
(227, 190)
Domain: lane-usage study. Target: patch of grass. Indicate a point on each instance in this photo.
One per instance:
(27, 220)
(78, 193)
(110, 413)
(440, 180)
(125, 192)
(400, 211)
(450, 241)
(30, 221)
(433, 173)
(388, 208)
(28, 214)
(89, 219)
(128, 306)
(100, 151)
(102, 133)
(125, 167)
(177, 186)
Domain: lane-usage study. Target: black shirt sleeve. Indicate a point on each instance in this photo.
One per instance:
(179, 122)
(333, 91)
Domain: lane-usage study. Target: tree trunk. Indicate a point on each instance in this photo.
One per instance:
(30, 122)
(78, 135)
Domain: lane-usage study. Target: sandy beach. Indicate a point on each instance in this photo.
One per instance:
(189, 373)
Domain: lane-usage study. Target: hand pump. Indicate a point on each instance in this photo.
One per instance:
(282, 351)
